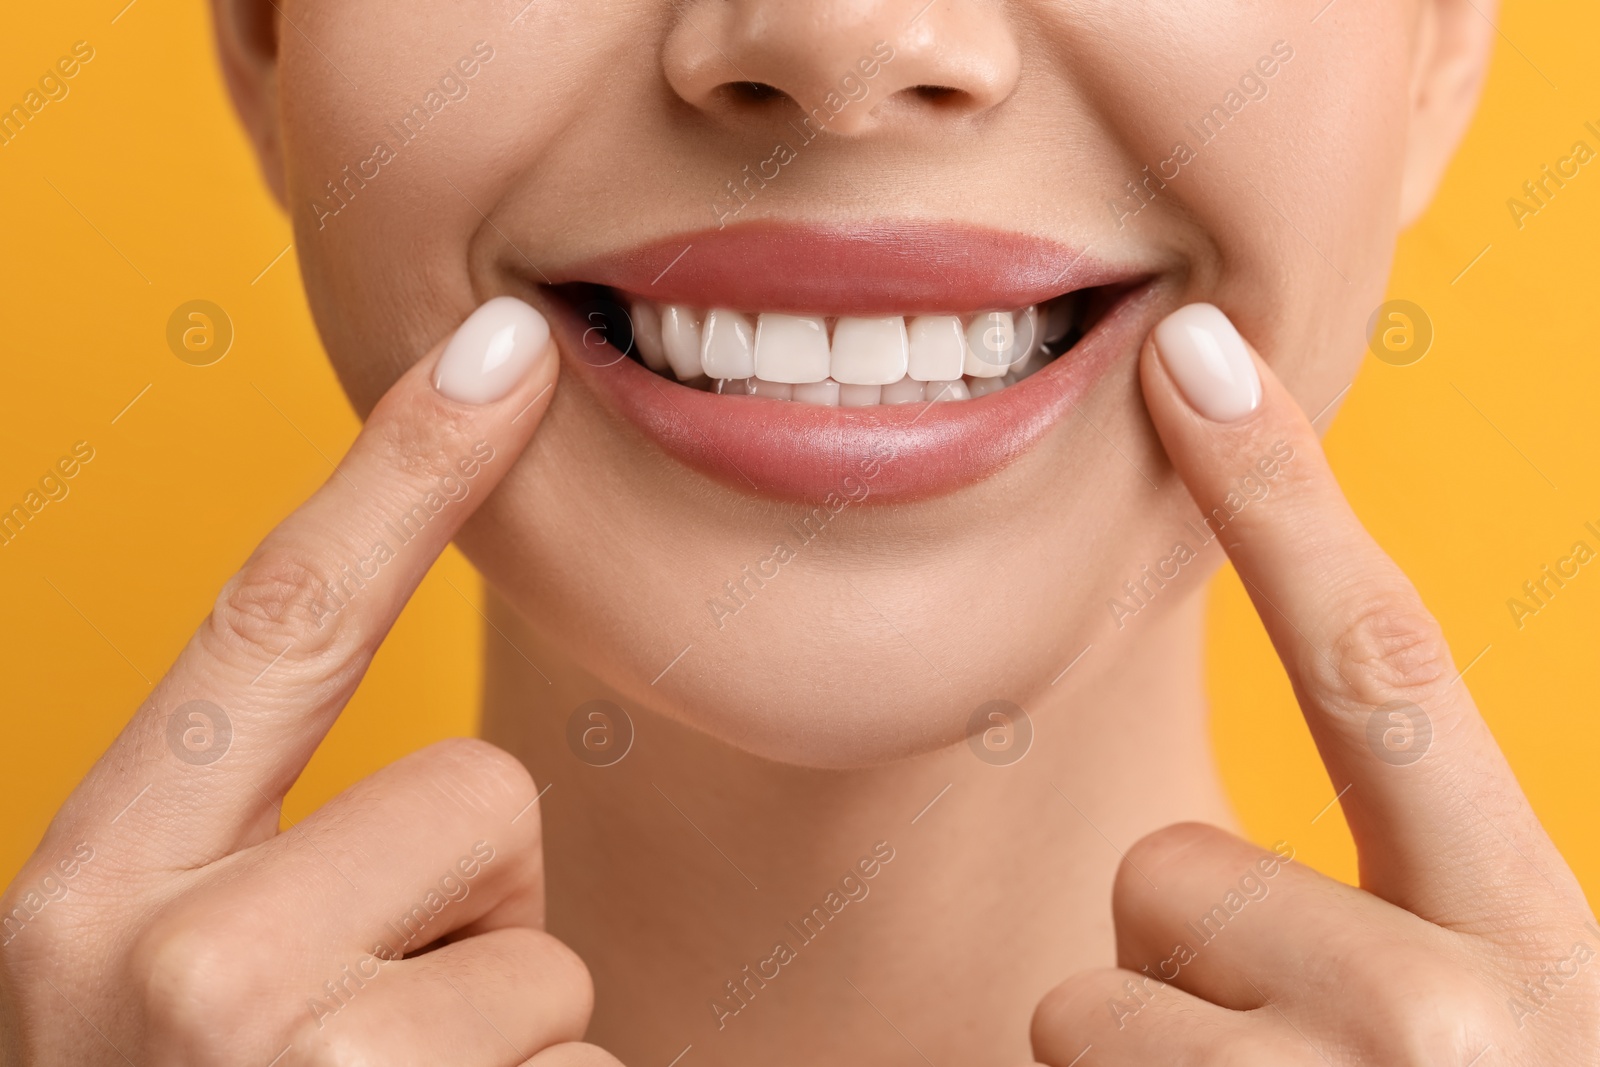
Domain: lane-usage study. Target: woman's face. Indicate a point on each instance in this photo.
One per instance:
(844, 585)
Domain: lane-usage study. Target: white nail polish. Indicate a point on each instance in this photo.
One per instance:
(1208, 359)
(491, 352)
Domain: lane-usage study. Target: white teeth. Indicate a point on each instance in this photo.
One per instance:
(850, 361)
(985, 386)
(727, 345)
(938, 348)
(824, 393)
(952, 390)
(680, 340)
(990, 339)
(647, 334)
(791, 348)
(869, 351)
(859, 396)
(772, 390)
(906, 391)
(1027, 325)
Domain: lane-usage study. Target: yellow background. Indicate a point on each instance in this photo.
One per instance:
(136, 193)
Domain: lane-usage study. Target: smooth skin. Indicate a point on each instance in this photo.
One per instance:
(200, 931)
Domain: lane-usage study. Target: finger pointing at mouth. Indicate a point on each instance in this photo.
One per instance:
(1431, 801)
(291, 634)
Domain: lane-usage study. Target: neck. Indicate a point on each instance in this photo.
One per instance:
(775, 914)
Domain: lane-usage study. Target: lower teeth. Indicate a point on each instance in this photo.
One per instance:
(829, 393)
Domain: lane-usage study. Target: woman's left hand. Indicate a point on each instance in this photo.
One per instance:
(1469, 943)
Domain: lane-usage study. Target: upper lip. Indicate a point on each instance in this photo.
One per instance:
(804, 452)
(878, 268)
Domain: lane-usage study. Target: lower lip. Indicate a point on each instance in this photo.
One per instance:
(809, 453)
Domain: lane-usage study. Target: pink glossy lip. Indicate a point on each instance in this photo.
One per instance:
(899, 452)
(808, 453)
(882, 268)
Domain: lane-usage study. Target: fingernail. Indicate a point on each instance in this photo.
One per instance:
(1210, 362)
(492, 351)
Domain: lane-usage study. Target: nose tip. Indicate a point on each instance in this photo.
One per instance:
(852, 66)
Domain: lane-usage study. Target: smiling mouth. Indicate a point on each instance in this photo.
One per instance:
(783, 358)
(827, 360)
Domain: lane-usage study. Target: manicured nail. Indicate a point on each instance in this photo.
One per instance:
(1210, 362)
(492, 351)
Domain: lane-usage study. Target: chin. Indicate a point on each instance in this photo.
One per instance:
(824, 585)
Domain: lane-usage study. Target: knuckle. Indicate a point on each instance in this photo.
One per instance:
(1262, 1050)
(564, 973)
(1425, 1012)
(332, 1047)
(32, 939)
(1170, 844)
(1270, 1048)
(573, 1054)
(1195, 851)
(1069, 1010)
(275, 608)
(268, 603)
(188, 979)
(482, 776)
(1392, 648)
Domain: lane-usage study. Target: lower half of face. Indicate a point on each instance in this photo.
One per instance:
(850, 298)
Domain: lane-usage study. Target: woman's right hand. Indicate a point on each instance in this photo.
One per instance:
(166, 919)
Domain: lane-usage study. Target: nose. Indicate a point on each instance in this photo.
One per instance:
(853, 66)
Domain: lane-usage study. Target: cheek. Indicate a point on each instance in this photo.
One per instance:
(386, 174)
(1262, 205)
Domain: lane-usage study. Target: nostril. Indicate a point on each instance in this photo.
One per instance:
(934, 93)
(748, 92)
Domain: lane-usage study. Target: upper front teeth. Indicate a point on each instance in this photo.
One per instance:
(862, 351)
(727, 345)
(869, 351)
(938, 348)
(791, 348)
(680, 340)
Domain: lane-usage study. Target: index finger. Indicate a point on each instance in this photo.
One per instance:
(1432, 804)
(202, 766)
